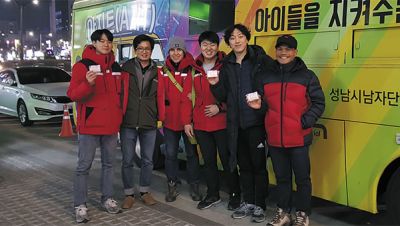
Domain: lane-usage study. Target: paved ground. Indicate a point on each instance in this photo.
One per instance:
(36, 171)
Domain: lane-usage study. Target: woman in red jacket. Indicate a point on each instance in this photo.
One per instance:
(178, 67)
(202, 112)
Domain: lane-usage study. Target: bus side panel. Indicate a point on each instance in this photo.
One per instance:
(370, 148)
(327, 155)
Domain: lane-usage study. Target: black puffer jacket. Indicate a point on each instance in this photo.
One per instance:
(227, 90)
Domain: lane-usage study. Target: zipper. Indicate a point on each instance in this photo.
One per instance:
(282, 93)
(140, 101)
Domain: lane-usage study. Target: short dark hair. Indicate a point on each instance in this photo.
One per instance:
(143, 38)
(241, 28)
(209, 36)
(96, 35)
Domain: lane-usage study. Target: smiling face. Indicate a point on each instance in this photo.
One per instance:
(284, 54)
(143, 51)
(238, 41)
(103, 46)
(208, 49)
(176, 54)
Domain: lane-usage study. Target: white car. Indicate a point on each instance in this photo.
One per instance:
(34, 93)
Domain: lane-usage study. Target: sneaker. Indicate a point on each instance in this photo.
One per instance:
(243, 211)
(258, 215)
(111, 206)
(234, 201)
(280, 219)
(195, 192)
(148, 199)
(128, 202)
(301, 219)
(208, 202)
(81, 215)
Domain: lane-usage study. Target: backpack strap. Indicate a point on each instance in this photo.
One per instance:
(87, 62)
(193, 94)
(173, 80)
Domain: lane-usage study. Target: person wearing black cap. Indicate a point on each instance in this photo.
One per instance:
(245, 126)
(295, 102)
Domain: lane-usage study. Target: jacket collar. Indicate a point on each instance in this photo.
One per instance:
(185, 62)
(104, 60)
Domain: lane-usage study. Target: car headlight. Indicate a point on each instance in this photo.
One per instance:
(43, 98)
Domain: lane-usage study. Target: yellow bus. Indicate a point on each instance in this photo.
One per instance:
(353, 47)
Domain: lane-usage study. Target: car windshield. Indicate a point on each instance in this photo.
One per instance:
(35, 75)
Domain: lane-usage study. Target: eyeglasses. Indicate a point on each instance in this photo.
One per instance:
(143, 49)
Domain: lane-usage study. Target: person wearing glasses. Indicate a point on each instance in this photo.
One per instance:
(140, 119)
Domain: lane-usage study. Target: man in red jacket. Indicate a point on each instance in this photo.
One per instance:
(207, 117)
(178, 67)
(295, 102)
(96, 87)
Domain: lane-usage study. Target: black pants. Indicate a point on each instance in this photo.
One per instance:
(209, 143)
(284, 161)
(252, 165)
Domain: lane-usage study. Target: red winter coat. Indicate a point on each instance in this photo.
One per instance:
(295, 102)
(203, 98)
(168, 96)
(99, 106)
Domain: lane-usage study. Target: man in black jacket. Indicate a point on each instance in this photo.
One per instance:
(246, 133)
(140, 119)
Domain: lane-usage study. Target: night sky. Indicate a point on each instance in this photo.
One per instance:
(36, 17)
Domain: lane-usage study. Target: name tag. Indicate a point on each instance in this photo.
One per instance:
(165, 75)
(196, 75)
(177, 73)
(184, 74)
(116, 73)
(212, 74)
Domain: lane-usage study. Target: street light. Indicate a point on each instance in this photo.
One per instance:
(21, 4)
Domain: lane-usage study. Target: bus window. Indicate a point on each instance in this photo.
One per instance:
(365, 46)
(210, 15)
(157, 54)
(126, 52)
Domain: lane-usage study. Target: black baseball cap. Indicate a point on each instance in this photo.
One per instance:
(286, 40)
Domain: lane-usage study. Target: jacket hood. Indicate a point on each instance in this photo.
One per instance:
(104, 60)
(185, 62)
(253, 52)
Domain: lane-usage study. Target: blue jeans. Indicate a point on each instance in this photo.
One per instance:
(86, 154)
(171, 156)
(147, 138)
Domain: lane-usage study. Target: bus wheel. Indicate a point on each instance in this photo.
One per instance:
(393, 198)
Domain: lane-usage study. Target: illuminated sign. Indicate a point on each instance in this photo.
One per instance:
(130, 18)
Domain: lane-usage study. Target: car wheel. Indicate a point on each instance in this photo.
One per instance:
(23, 114)
(393, 197)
